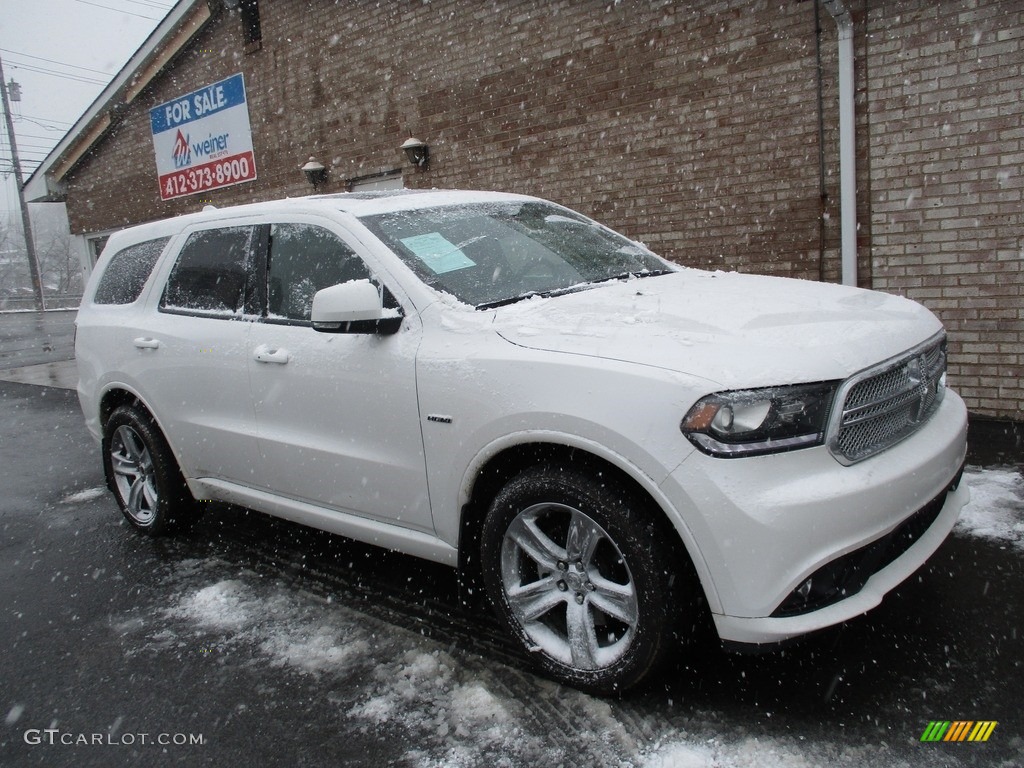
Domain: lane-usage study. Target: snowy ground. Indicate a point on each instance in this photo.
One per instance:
(996, 511)
(450, 707)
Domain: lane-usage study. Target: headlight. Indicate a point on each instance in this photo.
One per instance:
(755, 421)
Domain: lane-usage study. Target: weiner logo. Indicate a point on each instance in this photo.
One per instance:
(182, 154)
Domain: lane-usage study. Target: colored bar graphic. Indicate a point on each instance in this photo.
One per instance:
(959, 730)
(982, 730)
(935, 731)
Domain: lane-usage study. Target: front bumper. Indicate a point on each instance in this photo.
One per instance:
(759, 631)
(760, 527)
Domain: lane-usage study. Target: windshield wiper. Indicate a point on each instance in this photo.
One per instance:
(530, 294)
(512, 299)
(572, 288)
(627, 275)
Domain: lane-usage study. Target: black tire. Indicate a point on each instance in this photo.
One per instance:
(593, 600)
(141, 471)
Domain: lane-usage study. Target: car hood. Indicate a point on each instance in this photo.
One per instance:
(736, 330)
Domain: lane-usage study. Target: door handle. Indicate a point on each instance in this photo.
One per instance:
(146, 343)
(268, 354)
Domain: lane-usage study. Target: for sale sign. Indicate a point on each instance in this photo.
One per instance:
(202, 140)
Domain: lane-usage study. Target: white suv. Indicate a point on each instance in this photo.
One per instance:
(615, 445)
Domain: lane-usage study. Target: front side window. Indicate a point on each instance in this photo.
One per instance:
(127, 271)
(496, 253)
(211, 272)
(301, 260)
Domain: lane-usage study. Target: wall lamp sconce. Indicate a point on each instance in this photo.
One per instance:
(316, 173)
(417, 151)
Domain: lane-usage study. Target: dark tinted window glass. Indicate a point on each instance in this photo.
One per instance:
(210, 273)
(304, 259)
(127, 271)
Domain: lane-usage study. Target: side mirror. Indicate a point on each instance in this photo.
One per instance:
(353, 307)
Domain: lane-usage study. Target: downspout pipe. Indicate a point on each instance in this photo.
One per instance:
(847, 141)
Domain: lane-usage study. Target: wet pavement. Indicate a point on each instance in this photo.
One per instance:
(35, 338)
(253, 639)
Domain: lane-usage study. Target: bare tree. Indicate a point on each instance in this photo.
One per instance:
(58, 265)
(59, 269)
(12, 262)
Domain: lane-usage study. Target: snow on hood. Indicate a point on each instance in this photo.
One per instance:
(736, 330)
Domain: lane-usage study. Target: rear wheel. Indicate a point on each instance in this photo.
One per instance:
(142, 473)
(574, 566)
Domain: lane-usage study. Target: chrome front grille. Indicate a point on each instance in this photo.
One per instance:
(888, 403)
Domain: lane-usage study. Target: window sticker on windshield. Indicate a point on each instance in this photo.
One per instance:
(437, 253)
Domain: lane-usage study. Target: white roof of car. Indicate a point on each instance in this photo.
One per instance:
(353, 203)
(369, 203)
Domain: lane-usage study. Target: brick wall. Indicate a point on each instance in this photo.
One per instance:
(944, 86)
(696, 130)
(707, 130)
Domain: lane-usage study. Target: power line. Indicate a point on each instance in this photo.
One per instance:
(52, 61)
(149, 4)
(62, 75)
(44, 125)
(118, 10)
(33, 156)
(24, 135)
(48, 119)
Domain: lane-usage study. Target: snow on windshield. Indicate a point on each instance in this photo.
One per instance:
(491, 253)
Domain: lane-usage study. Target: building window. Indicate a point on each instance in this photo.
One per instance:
(377, 181)
(96, 246)
(251, 34)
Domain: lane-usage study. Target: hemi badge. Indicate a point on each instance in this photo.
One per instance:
(440, 419)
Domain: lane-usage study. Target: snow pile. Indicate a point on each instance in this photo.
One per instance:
(220, 606)
(451, 712)
(89, 494)
(293, 633)
(316, 649)
(996, 509)
(760, 752)
(458, 710)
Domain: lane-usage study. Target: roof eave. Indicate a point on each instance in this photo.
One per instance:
(185, 20)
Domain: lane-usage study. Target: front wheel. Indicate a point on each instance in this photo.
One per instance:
(142, 473)
(574, 566)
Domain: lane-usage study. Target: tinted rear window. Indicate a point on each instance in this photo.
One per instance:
(210, 274)
(127, 272)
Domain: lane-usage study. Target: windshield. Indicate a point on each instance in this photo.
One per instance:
(490, 254)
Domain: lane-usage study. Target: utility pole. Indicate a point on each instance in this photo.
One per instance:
(26, 223)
